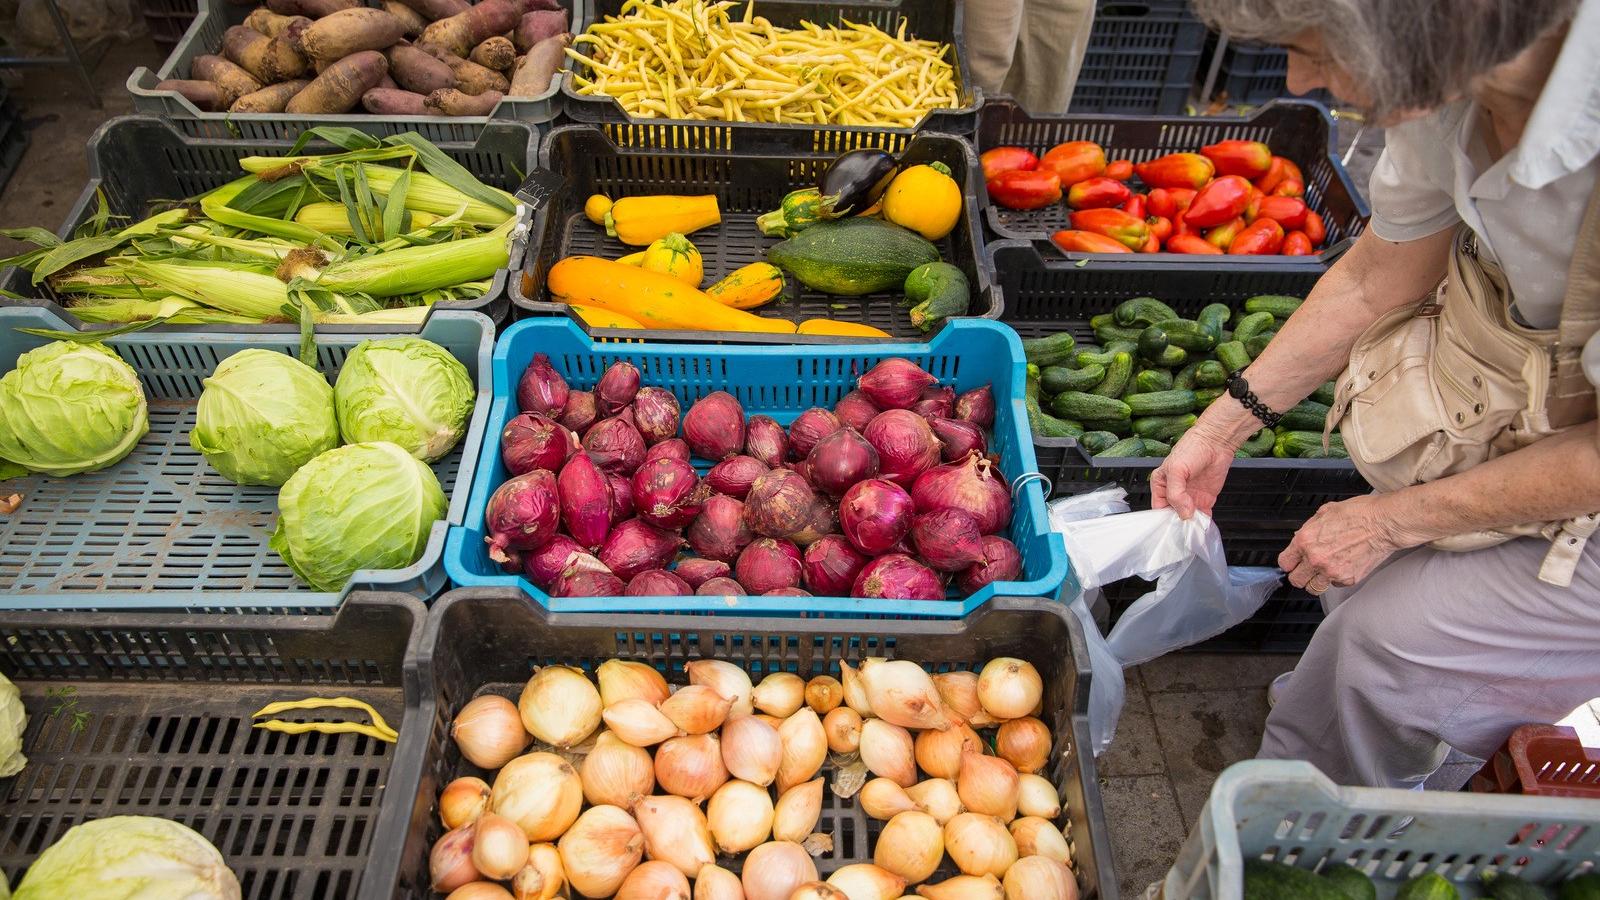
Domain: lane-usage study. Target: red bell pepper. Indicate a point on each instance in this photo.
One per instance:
(1023, 189)
(1074, 161)
(1160, 226)
(1120, 169)
(1007, 159)
(1097, 193)
(1176, 170)
(1087, 242)
(1280, 169)
(1295, 243)
(1135, 206)
(1191, 243)
(1169, 203)
(1223, 199)
(1290, 212)
(1131, 232)
(1250, 159)
(1263, 237)
(1290, 187)
(1152, 244)
(1315, 228)
(1223, 235)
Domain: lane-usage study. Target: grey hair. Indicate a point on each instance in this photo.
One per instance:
(1406, 54)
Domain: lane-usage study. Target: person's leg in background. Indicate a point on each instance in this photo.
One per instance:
(1049, 54)
(992, 28)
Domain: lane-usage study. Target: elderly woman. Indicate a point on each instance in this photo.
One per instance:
(1463, 598)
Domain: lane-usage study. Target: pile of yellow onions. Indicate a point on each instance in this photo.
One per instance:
(634, 789)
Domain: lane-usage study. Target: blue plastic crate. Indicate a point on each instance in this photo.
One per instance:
(781, 382)
(161, 529)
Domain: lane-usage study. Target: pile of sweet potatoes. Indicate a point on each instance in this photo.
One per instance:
(403, 58)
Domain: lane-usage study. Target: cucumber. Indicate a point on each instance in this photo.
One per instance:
(1351, 882)
(1280, 306)
(1330, 453)
(1204, 397)
(1307, 415)
(1233, 356)
(1102, 320)
(1107, 334)
(1431, 886)
(1185, 377)
(1049, 351)
(1059, 379)
(938, 291)
(1118, 375)
(1252, 325)
(1324, 395)
(1161, 403)
(1189, 334)
(1584, 887)
(1163, 428)
(1276, 881)
(1142, 311)
(1259, 444)
(1095, 441)
(1172, 358)
(854, 256)
(1255, 345)
(1152, 380)
(1210, 374)
(1153, 343)
(1293, 444)
(1080, 405)
(1214, 317)
(1101, 358)
(1501, 886)
(1040, 422)
(1156, 448)
(1126, 447)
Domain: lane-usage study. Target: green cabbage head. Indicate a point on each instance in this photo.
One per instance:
(407, 391)
(129, 858)
(362, 506)
(13, 721)
(68, 408)
(263, 415)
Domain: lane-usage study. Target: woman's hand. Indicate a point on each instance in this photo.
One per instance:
(1192, 475)
(1343, 543)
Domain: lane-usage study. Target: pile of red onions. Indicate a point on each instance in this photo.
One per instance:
(891, 494)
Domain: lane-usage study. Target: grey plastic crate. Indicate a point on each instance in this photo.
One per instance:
(205, 36)
(161, 529)
(1286, 811)
(13, 137)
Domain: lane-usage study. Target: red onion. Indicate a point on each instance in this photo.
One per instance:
(898, 577)
(734, 475)
(658, 583)
(1001, 562)
(655, 412)
(855, 409)
(875, 515)
(973, 486)
(544, 565)
(668, 493)
(523, 514)
(824, 521)
(840, 460)
(617, 387)
(585, 501)
(621, 497)
(615, 445)
(671, 448)
(587, 583)
(779, 504)
(937, 402)
(636, 546)
(714, 426)
(895, 383)
(809, 427)
(801, 468)
(977, 406)
(535, 441)
(541, 388)
(581, 411)
(905, 444)
(721, 587)
(768, 564)
(698, 571)
(958, 438)
(766, 440)
(788, 592)
(947, 539)
(720, 532)
(512, 561)
(830, 566)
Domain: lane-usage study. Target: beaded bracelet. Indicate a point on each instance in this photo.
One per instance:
(1239, 389)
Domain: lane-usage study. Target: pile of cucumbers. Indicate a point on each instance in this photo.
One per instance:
(1276, 881)
(1152, 373)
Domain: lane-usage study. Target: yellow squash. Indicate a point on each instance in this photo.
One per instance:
(650, 298)
(596, 317)
(749, 287)
(924, 199)
(841, 329)
(674, 255)
(596, 207)
(632, 259)
(639, 221)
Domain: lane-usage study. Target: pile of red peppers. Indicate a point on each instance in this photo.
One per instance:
(1232, 197)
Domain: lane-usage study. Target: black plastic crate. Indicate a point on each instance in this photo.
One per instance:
(487, 640)
(1142, 58)
(137, 161)
(748, 181)
(168, 734)
(1253, 74)
(167, 20)
(1300, 130)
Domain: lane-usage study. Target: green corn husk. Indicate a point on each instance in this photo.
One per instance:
(174, 310)
(232, 288)
(413, 270)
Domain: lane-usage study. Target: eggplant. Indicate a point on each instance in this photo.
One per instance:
(854, 181)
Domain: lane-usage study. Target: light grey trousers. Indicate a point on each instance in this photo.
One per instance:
(1030, 49)
(1438, 650)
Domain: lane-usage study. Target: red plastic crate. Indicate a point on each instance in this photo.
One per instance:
(1544, 761)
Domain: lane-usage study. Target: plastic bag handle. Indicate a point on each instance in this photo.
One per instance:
(1021, 480)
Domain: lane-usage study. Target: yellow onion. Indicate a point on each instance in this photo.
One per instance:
(818, 890)
(543, 877)
(795, 817)
(1039, 837)
(911, 846)
(654, 880)
(959, 691)
(901, 693)
(882, 798)
(717, 883)
(1024, 742)
(638, 722)
(842, 725)
(623, 679)
(726, 679)
(979, 845)
(616, 773)
(964, 887)
(855, 690)
(450, 861)
(779, 694)
(600, 849)
(773, 870)
(740, 816)
(774, 721)
(988, 786)
(489, 731)
(752, 750)
(865, 881)
(824, 693)
(675, 831)
(886, 751)
(938, 798)
(697, 708)
(939, 752)
(559, 706)
(499, 849)
(463, 800)
(805, 749)
(480, 890)
(691, 766)
(1036, 796)
(1010, 688)
(541, 792)
(1040, 878)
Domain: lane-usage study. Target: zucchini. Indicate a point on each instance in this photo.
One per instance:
(1252, 325)
(1060, 379)
(1501, 886)
(1161, 403)
(1040, 422)
(1214, 318)
(1351, 882)
(1080, 405)
(1259, 444)
(1185, 377)
(1163, 428)
(1106, 334)
(1152, 380)
(1156, 448)
(1189, 334)
(936, 291)
(1118, 375)
(1153, 343)
(1255, 345)
(1276, 881)
(1126, 447)
(1210, 374)
(855, 256)
(1584, 887)
(1294, 444)
(1233, 356)
(1142, 311)
(1095, 441)
(1307, 415)
(1280, 306)
(1324, 394)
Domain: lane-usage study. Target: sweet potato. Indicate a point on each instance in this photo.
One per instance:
(270, 60)
(234, 81)
(351, 31)
(339, 88)
(434, 10)
(207, 96)
(271, 24)
(315, 9)
(528, 6)
(409, 17)
(470, 77)
(537, 25)
(496, 53)
(418, 71)
(388, 82)
(386, 102)
(465, 30)
(535, 71)
(269, 99)
(451, 102)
